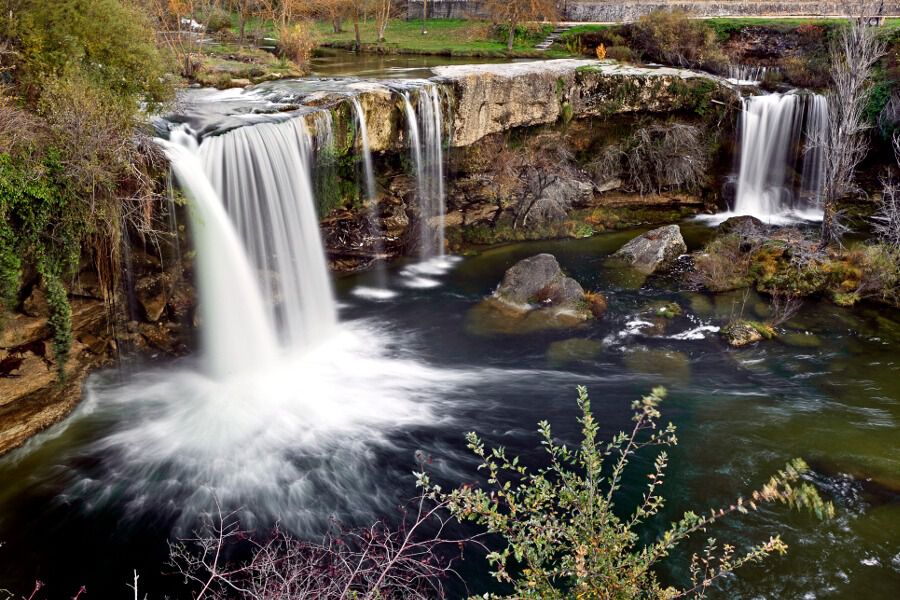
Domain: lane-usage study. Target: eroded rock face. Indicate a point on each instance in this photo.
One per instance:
(534, 295)
(654, 250)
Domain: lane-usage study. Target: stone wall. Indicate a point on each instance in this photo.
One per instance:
(606, 11)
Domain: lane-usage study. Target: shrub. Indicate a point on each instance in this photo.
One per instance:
(296, 42)
(620, 53)
(109, 41)
(601, 52)
(565, 529)
(656, 158)
(217, 20)
(672, 37)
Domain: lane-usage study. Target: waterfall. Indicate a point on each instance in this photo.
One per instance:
(746, 74)
(380, 291)
(262, 174)
(237, 332)
(780, 171)
(426, 139)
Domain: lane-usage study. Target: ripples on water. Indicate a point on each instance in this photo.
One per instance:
(336, 431)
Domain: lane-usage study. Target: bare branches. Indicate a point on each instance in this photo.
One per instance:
(854, 53)
(376, 562)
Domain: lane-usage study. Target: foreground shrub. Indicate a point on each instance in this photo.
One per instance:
(673, 38)
(563, 533)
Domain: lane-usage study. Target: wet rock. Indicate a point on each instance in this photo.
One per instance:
(670, 364)
(653, 250)
(152, 294)
(534, 295)
(538, 280)
(744, 225)
(239, 83)
(743, 333)
(800, 340)
(573, 350)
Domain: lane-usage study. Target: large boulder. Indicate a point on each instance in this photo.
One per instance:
(654, 250)
(534, 295)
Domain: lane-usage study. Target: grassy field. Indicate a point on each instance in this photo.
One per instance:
(445, 36)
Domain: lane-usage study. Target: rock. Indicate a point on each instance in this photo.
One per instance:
(35, 304)
(742, 333)
(556, 200)
(800, 340)
(608, 185)
(597, 303)
(653, 250)
(152, 294)
(239, 83)
(670, 364)
(535, 295)
(573, 350)
(743, 225)
(538, 280)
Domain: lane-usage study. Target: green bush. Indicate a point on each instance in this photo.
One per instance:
(566, 531)
(217, 20)
(672, 37)
(110, 41)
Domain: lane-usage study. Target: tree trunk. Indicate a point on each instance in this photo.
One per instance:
(511, 37)
(829, 225)
(358, 38)
(336, 24)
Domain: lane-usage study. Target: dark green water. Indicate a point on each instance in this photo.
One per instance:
(829, 392)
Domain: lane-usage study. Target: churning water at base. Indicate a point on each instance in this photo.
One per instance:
(780, 174)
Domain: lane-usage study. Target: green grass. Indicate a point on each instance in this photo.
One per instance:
(445, 36)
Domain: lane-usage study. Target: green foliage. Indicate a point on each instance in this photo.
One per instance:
(38, 228)
(111, 42)
(563, 527)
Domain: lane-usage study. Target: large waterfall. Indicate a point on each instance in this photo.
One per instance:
(262, 174)
(780, 173)
(237, 332)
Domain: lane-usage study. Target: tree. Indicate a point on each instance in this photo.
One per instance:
(515, 12)
(334, 11)
(383, 10)
(844, 143)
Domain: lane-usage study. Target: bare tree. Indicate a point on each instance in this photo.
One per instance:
(515, 12)
(844, 142)
(372, 563)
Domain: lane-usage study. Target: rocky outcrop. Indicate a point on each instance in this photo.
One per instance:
(494, 98)
(743, 333)
(534, 295)
(653, 250)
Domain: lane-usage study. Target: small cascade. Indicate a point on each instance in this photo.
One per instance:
(237, 333)
(262, 174)
(780, 172)
(746, 74)
(380, 292)
(426, 140)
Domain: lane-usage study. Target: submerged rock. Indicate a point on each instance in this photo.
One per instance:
(653, 250)
(573, 350)
(671, 364)
(534, 295)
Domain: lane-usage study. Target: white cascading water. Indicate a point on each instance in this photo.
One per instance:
(425, 132)
(746, 74)
(380, 291)
(262, 174)
(780, 173)
(237, 332)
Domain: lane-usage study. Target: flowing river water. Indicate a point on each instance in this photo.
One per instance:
(98, 496)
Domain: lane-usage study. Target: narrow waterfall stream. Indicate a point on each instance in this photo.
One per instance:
(780, 172)
(380, 291)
